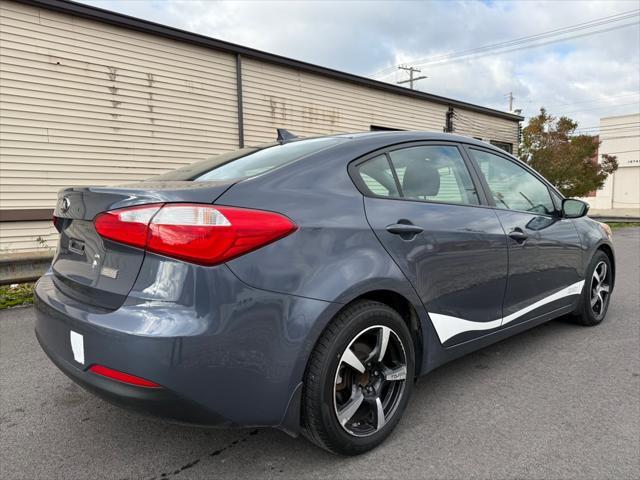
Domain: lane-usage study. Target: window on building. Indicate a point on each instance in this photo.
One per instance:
(507, 147)
(512, 186)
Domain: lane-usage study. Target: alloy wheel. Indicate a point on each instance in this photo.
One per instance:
(369, 381)
(600, 289)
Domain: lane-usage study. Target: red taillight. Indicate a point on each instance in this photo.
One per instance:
(127, 225)
(122, 377)
(203, 234)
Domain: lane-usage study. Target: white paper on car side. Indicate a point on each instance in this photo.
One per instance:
(447, 326)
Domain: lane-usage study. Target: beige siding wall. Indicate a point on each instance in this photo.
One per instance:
(486, 127)
(86, 103)
(26, 236)
(309, 104)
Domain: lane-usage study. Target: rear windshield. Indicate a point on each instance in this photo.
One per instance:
(249, 162)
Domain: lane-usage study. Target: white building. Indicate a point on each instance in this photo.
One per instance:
(620, 195)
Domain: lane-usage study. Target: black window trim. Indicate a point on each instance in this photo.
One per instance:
(503, 154)
(352, 169)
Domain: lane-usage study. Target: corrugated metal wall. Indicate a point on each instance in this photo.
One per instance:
(86, 103)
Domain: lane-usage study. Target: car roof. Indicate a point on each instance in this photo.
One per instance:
(399, 136)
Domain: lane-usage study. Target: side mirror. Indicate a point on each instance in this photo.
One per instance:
(572, 208)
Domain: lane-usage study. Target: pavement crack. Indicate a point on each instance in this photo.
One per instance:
(215, 453)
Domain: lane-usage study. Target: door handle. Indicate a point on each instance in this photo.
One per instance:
(518, 235)
(404, 229)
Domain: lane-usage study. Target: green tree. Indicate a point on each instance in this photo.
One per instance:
(551, 146)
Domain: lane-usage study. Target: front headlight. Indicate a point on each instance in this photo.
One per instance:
(606, 229)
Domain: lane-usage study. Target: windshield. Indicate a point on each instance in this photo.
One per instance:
(249, 162)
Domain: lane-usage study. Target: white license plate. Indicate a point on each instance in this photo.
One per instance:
(77, 346)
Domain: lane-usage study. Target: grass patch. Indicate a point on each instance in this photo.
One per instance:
(615, 225)
(16, 295)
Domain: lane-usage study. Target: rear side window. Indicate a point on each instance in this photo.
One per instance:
(430, 173)
(378, 177)
(250, 162)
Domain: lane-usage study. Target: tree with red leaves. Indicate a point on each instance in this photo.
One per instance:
(551, 146)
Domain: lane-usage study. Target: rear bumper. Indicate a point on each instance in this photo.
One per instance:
(158, 402)
(225, 354)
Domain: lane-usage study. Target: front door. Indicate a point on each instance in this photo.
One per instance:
(424, 207)
(544, 249)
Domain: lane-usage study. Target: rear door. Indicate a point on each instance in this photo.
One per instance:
(423, 203)
(544, 249)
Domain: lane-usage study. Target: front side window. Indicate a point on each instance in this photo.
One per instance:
(512, 186)
(434, 173)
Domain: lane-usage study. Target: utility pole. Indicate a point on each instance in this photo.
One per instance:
(411, 79)
(511, 99)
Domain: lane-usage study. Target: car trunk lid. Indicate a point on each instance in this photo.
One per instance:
(97, 271)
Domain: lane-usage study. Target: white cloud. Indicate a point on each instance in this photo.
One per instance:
(364, 37)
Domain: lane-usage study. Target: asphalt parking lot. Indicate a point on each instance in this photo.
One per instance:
(559, 401)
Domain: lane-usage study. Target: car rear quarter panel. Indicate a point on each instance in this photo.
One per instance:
(334, 255)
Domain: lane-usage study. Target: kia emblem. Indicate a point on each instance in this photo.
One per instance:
(65, 204)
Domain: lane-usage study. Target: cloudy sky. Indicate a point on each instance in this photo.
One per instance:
(586, 77)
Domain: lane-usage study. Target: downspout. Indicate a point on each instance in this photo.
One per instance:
(448, 122)
(239, 100)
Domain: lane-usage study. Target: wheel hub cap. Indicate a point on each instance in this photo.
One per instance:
(600, 289)
(369, 381)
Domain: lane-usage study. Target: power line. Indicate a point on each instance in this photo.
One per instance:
(504, 46)
(631, 128)
(585, 101)
(601, 107)
(530, 38)
(615, 125)
(526, 47)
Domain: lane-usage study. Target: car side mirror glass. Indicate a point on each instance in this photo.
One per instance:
(572, 208)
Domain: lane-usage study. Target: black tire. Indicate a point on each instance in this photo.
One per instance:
(323, 378)
(587, 314)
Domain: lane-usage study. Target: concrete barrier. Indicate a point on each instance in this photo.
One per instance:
(23, 267)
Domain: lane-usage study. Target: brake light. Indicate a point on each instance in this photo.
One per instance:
(203, 234)
(122, 377)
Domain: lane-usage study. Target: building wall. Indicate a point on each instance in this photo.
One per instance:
(309, 104)
(620, 136)
(86, 103)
